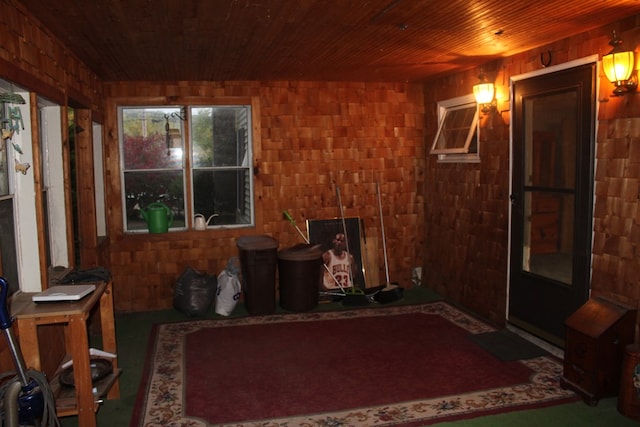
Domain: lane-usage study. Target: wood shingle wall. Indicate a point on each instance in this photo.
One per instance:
(313, 136)
(467, 207)
(616, 244)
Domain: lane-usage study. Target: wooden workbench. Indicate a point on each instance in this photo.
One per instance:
(73, 316)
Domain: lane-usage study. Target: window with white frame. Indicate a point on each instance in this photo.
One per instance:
(193, 159)
(8, 242)
(457, 136)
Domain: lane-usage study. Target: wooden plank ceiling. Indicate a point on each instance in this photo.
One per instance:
(362, 40)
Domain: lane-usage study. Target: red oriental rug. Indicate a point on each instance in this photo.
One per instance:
(390, 366)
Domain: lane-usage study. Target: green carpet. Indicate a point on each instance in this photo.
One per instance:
(132, 331)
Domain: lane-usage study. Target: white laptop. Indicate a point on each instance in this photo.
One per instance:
(64, 293)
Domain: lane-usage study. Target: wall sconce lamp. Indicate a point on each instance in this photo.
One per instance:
(619, 65)
(484, 93)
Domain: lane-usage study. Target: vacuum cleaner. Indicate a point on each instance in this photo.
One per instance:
(26, 397)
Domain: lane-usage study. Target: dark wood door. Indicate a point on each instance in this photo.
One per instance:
(552, 186)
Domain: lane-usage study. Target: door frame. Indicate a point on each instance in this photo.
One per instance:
(513, 79)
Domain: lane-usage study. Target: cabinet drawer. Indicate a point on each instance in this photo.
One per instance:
(582, 351)
(578, 376)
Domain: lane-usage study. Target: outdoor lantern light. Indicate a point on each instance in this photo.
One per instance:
(619, 65)
(484, 93)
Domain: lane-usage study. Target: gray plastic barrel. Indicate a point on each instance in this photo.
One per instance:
(299, 273)
(258, 262)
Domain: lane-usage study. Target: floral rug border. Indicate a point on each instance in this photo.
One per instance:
(165, 395)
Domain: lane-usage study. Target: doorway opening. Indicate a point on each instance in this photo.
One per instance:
(551, 216)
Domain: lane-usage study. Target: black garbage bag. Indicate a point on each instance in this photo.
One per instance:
(97, 274)
(194, 292)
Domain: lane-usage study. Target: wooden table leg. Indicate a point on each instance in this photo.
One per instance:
(28, 341)
(82, 371)
(109, 334)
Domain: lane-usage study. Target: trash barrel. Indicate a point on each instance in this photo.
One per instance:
(299, 273)
(629, 396)
(258, 262)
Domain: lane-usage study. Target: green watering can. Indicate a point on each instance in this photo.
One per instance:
(158, 217)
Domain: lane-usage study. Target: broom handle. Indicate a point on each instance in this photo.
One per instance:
(384, 240)
(346, 237)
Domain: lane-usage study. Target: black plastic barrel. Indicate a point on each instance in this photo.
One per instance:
(299, 273)
(258, 262)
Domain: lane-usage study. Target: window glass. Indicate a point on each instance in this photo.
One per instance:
(217, 141)
(222, 194)
(220, 157)
(456, 129)
(4, 164)
(457, 136)
(148, 138)
(153, 163)
(8, 255)
(219, 136)
(8, 251)
(98, 178)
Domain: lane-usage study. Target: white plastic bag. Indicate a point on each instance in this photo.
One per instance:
(229, 288)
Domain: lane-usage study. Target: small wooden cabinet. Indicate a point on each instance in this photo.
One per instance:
(596, 336)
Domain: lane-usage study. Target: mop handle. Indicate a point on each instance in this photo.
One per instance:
(5, 317)
(384, 240)
(293, 222)
(5, 325)
(326, 267)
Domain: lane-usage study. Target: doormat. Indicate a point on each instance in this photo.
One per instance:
(392, 366)
(507, 346)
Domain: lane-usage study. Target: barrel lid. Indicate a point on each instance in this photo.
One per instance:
(301, 252)
(256, 242)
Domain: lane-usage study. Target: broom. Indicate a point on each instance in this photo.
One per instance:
(391, 292)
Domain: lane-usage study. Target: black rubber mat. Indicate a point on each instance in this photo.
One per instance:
(507, 346)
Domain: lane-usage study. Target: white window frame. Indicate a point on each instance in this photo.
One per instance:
(20, 150)
(458, 155)
(249, 166)
(53, 180)
(187, 166)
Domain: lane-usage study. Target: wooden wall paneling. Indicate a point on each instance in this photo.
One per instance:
(85, 189)
(38, 189)
(66, 161)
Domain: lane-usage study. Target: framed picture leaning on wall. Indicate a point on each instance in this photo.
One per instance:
(338, 252)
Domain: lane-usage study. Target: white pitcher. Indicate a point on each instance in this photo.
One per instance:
(200, 223)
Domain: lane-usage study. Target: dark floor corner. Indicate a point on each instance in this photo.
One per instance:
(133, 330)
